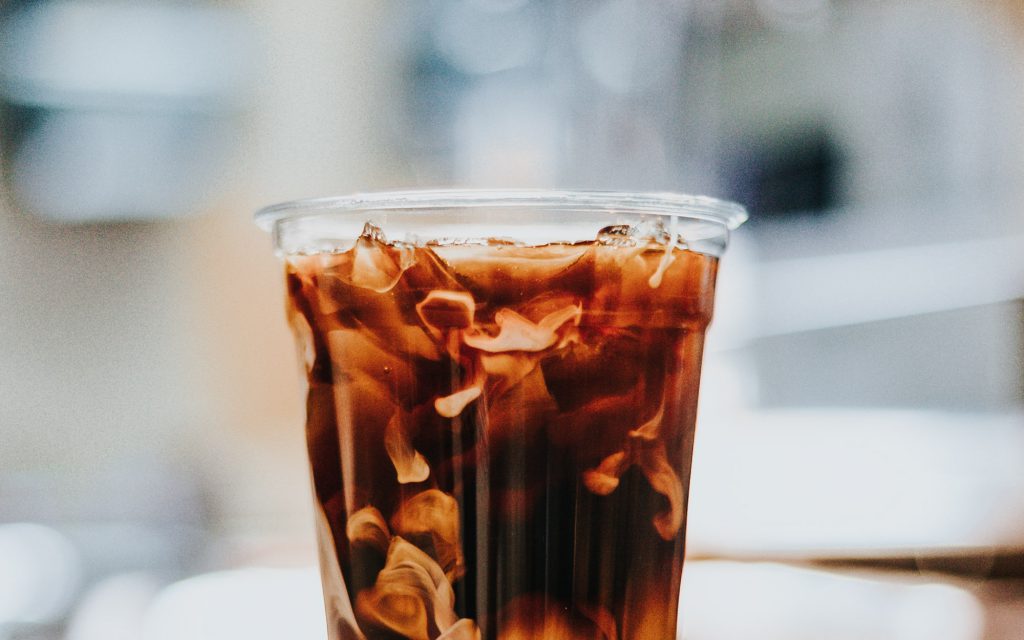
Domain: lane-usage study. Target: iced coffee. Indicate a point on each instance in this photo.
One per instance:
(500, 431)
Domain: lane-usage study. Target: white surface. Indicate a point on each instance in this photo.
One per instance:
(732, 601)
(833, 482)
(254, 604)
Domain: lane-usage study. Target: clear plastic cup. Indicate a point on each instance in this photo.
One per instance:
(501, 405)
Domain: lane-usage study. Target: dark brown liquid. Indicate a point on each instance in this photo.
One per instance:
(500, 435)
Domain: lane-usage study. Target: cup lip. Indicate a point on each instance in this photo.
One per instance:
(728, 214)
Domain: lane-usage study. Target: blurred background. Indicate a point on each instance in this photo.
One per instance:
(860, 462)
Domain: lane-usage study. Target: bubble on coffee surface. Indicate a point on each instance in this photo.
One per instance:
(646, 235)
(640, 234)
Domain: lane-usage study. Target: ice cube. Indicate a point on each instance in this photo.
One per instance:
(644, 276)
(580, 373)
(373, 233)
(598, 428)
(363, 408)
(508, 276)
(657, 286)
(618, 235)
(384, 318)
(406, 380)
(429, 272)
(546, 303)
(652, 231)
(521, 411)
(373, 264)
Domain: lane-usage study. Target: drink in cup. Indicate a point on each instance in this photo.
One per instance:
(501, 404)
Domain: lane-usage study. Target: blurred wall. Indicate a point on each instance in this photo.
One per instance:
(166, 340)
(92, 342)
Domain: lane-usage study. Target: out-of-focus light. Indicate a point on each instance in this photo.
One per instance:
(114, 609)
(255, 604)
(40, 573)
(499, 5)
(477, 39)
(630, 46)
(507, 135)
(130, 105)
(121, 54)
(725, 601)
(92, 165)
